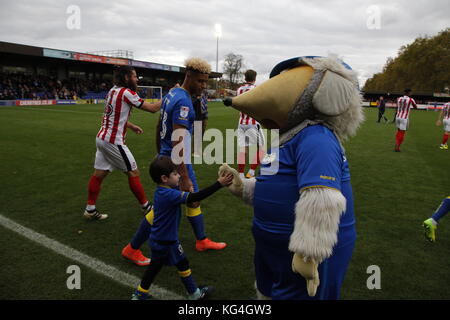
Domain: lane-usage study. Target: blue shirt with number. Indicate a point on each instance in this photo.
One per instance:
(176, 108)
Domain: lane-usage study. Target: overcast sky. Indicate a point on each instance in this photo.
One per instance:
(263, 32)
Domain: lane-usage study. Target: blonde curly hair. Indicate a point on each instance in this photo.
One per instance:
(198, 65)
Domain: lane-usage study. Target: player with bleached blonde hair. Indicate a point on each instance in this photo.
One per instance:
(177, 114)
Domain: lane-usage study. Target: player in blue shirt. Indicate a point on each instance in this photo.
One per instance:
(166, 248)
(177, 114)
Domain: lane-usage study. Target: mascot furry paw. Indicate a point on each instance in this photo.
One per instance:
(303, 225)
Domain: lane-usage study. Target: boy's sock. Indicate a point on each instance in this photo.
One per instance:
(188, 281)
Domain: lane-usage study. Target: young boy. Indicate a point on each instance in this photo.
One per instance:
(166, 248)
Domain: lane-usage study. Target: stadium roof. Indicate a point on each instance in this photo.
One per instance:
(21, 49)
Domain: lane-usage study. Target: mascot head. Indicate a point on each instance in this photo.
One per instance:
(306, 88)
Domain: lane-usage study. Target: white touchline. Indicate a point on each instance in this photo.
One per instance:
(90, 262)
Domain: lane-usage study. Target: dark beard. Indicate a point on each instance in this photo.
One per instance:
(132, 86)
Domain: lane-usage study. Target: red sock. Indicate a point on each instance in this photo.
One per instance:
(93, 189)
(402, 137)
(397, 139)
(137, 189)
(445, 138)
(241, 162)
(257, 160)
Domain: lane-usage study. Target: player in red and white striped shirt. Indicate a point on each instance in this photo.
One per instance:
(112, 153)
(444, 118)
(249, 132)
(404, 105)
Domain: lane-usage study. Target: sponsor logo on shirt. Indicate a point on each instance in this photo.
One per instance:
(328, 178)
(184, 111)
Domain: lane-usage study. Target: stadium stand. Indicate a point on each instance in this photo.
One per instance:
(36, 73)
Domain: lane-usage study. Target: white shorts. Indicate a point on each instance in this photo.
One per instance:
(112, 156)
(402, 124)
(446, 125)
(250, 134)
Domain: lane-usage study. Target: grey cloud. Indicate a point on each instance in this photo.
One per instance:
(264, 32)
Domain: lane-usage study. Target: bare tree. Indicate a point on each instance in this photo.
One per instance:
(232, 68)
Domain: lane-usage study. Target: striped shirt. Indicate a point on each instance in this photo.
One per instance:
(119, 103)
(244, 118)
(446, 111)
(403, 106)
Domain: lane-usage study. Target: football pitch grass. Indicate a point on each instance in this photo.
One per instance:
(46, 160)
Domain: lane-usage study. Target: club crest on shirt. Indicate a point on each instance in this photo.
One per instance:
(108, 109)
(184, 111)
(269, 158)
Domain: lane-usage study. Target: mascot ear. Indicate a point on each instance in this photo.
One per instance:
(333, 95)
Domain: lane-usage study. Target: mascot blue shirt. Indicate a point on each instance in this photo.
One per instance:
(314, 157)
(304, 224)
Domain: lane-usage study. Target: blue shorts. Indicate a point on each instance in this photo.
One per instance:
(169, 254)
(274, 275)
(192, 176)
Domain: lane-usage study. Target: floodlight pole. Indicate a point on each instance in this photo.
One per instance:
(217, 64)
(217, 55)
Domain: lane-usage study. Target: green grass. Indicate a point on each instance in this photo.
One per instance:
(46, 160)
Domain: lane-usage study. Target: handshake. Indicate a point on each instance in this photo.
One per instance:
(237, 186)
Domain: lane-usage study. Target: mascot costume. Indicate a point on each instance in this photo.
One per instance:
(303, 224)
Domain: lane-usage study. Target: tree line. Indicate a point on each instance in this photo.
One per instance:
(423, 66)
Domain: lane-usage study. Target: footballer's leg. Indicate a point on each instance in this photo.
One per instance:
(430, 225)
(195, 217)
(259, 155)
(243, 150)
(121, 158)
(444, 145)
(101, 169)
(138, 191)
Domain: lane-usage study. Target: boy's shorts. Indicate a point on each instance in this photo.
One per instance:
(168, 253)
